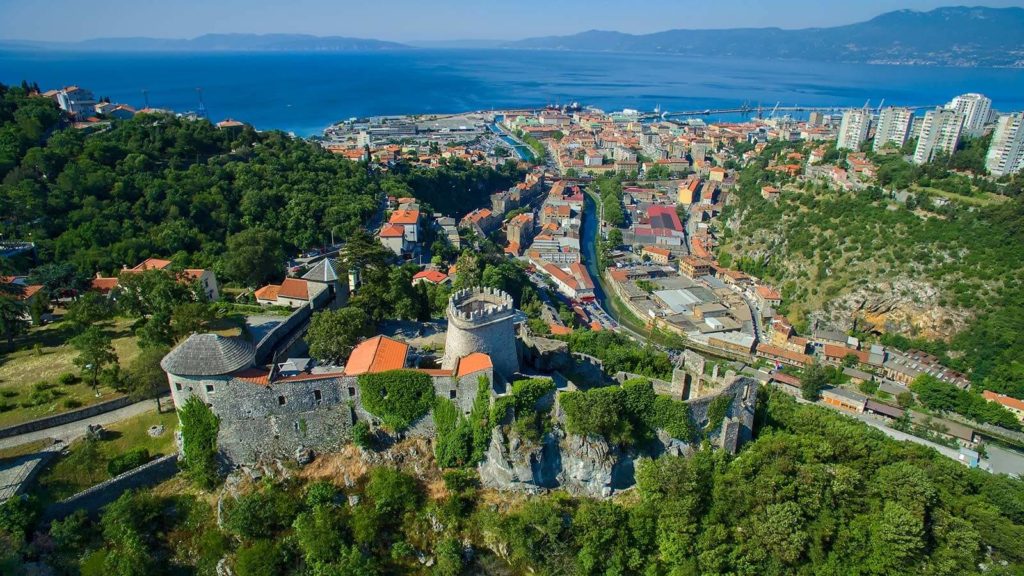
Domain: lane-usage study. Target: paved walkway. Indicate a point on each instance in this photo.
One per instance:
(15, 473)
(72, 430)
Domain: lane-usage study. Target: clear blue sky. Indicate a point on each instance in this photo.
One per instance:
(410, 20)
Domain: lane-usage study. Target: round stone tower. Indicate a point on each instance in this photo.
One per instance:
(480, 320)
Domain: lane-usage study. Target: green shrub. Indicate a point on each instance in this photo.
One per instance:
(361, 434)
(673, 416)
(131, 459)
(199, 427)
(67, 379)
(717, 411)
(6, 406)
(71, 403)
(8, 393)
(397, 397)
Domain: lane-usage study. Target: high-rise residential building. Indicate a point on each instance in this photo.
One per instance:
(940, 132)
(816, 119)
(974, 108)
(894, 125)
(853, 130)
(1006, 154)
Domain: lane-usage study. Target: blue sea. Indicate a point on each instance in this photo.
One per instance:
(304, 93)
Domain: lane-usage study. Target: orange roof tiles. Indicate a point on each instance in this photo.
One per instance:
(404, 217)
(392, 231)
(840, 352)
(268, 292)
(769, 350)
(378, 354)
(474, 362)
(432, 276)
(559, 330)
(658, 251)
(104, 285)
(768, 293)
(294, 288)
(1003, 399)
(152, 264)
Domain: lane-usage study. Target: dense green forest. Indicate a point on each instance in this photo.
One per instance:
(818, 244)
(159, 185)
(814, 493)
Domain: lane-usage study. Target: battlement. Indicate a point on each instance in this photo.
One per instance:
(479, 305)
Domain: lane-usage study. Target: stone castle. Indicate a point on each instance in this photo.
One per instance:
(281, 411)
(291, 410)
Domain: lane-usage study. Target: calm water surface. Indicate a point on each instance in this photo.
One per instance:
(304, 93)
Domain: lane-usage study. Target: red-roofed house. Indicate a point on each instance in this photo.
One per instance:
(657, 254)
(409, 220)
(1012, 404)
(768, 296)
(431, 277)
(378, 354)
(392, 236)
(293, 292)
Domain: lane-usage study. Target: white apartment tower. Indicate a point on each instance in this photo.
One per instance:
(1006, 154)
(974, 108)
(853, 130)
(940, 132)
(894, 125)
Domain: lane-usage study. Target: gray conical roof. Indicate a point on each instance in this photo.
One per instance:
(209, 355)
(323, 272)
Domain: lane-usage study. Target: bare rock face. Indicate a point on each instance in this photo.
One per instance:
(899, 306)
(513, 463)
(581, 465)
(588, 466)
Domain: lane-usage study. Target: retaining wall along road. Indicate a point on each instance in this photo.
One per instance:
(66, 417)
(92, 499)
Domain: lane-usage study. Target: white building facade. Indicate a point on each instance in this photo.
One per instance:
(1006, 153)
(940, 132)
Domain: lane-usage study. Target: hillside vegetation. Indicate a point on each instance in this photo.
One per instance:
(815, 493)
(864, 262)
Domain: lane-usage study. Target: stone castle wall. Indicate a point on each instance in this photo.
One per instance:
(256, 425)
(481, 320)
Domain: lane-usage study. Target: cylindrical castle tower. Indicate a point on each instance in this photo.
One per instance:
(481, 320)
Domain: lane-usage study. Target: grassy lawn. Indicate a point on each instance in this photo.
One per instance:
(22, 369)
(986, 199)
(85, 464)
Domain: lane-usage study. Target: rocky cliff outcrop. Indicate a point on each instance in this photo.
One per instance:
(899, 306)
(590, 466)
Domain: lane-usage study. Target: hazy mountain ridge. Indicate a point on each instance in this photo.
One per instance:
(954, 36)
(218, 43)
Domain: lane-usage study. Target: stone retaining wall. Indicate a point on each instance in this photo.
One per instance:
(65, 418)
(266, 347)
(92, 499)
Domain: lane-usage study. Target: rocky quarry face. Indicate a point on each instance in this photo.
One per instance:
(900, 306)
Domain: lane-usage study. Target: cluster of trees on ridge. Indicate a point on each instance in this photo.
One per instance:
(814, 493)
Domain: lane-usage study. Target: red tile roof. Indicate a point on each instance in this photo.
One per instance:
(768, 293)
(840, 352)
(769, 350)
(378, 354)
(104, 285)
(294, 288)
(268, 292)
(559, 330)
(432, 276)
(152, 264)
(392, 231)
(474, 362)
(1003, 399)
(404, 217)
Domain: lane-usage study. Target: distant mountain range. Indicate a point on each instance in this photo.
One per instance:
(954, 36)
(216, 43)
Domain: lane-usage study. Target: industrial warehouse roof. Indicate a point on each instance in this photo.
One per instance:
(209, 355)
